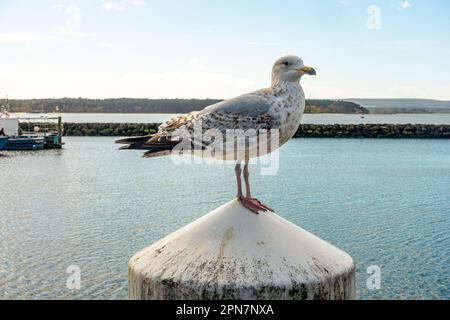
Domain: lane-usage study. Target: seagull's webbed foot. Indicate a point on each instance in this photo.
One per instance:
(254, 205)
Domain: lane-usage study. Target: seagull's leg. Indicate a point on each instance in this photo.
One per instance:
(238, 171)
(246, 202)
(247, 182)
(254, 205)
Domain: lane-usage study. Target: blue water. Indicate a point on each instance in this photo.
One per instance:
(322, 118)
(385, 202)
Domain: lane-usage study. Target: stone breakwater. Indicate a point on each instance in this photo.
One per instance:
(377, 131)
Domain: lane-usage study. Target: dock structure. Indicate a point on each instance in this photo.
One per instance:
(31, 133)
(49, 128)
(233, 254)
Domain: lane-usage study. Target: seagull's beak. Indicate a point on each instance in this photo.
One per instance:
(306, 70)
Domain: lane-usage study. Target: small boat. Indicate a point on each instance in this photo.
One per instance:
(3, 141)
(30, 140)
(24, 143)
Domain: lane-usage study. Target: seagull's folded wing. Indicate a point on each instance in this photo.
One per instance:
(246, 106)
(250, 111)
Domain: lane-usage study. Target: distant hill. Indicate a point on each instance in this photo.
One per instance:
(128, 105)
(403, 105)
(334, 106)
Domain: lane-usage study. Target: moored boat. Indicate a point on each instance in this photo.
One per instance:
(36, 139)
(3, 141)
(24, 143)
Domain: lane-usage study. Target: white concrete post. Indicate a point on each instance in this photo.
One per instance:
(232, 253)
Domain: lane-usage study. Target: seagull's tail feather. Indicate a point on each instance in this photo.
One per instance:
(158, 148)
(134, 140)
(155, 146)
(154, 154)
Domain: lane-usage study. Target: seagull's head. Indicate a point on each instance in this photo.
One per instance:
(290, 69)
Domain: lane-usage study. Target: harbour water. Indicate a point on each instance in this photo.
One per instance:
(385, 202)
(434, 118)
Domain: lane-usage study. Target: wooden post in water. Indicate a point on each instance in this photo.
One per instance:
(232, 253)
(59, 131)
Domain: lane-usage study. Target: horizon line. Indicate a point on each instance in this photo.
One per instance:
(120, 98)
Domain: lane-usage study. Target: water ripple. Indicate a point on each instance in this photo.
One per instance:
(384, 202)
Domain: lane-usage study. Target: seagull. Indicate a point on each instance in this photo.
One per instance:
(279, 107)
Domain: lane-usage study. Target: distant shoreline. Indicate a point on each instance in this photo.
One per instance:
(131, 105)
(181, 106)
(372, 112)
(405, 111)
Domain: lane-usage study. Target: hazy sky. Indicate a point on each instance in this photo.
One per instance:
(220, 49)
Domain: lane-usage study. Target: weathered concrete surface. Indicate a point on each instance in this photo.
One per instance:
(231, 253)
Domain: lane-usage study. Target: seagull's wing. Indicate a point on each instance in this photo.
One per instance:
(250, 111)
(251, 105)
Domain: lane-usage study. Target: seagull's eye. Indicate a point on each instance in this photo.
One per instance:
(286, 63)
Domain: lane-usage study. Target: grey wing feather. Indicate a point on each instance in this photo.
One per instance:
(250, 111)
(249, 105)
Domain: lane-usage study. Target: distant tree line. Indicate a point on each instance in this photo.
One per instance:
(123, 105)
(129, 105)
(334, 106)
(407, 110)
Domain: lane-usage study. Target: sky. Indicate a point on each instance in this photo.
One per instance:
(221, 49)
